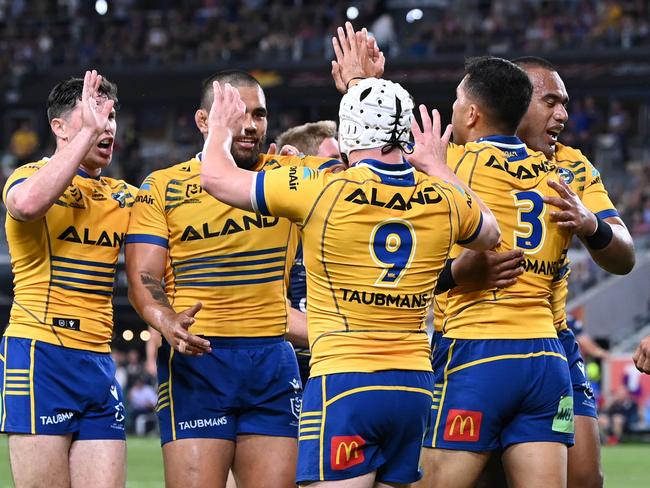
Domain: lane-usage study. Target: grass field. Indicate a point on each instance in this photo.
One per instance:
(625, 466)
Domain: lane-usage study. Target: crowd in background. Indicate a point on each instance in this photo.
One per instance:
(38, 34)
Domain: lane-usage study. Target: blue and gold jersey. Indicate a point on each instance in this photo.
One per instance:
(512, 182)
(374, 239)
(231, 260)
(64, 263)
(575, 167)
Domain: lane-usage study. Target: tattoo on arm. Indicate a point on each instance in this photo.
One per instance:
(155, 289)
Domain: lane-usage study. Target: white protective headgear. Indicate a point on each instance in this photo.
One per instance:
(374, 113)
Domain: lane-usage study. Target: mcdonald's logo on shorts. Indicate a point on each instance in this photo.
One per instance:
(463, 425)
(346, 451)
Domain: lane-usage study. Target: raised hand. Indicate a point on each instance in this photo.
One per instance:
(572, 215)
(95, 108)
(641, 356)
(430, 152)
(357, 56)
(227, 112)
(175, 329)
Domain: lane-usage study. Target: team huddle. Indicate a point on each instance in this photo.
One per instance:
(394, 222)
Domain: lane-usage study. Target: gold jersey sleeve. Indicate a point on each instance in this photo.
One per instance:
(64, 264)
(231, 260)
(375, 238)
(512, 181)
(578, 172)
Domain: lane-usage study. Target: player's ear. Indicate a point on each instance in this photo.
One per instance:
(201, 120)
(59, 128)
(472, 115)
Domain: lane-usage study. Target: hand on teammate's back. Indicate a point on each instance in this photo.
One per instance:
(483, 270)
(572, 214)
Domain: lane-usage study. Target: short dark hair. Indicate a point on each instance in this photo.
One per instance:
(64, 96)
(233, 76)
(534, 62)
(502, 88)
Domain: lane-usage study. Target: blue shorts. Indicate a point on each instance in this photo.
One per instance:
(52, 390)
(490, 394)
(356, 423)
(584, 402)
(246, 385)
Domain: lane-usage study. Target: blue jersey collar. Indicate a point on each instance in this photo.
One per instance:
(402, 174)
(83, 174)
(512, 146)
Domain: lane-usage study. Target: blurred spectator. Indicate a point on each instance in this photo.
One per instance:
(619, 416)
(134, 368)
(24, 143)
(142, 399)
(121, 374)
(618, 124)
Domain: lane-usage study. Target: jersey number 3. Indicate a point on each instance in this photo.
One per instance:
(530, 232)
(392, 246)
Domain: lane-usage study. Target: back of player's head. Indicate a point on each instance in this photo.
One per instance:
(64, 96)
(526, 62)
(501, 88)
(375, 113)
(233, 76)
(308, 137)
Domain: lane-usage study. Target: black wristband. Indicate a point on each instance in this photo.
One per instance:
(445, 279)
(602, 237)
(347, 85)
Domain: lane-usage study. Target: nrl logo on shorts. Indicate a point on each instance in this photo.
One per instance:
(296, 405)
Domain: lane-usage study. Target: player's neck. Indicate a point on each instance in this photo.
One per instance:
(392, 157)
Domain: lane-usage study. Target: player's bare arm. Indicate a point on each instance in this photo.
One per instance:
(145, 265)
(220, 175)
(607, 240)
(430, 157)
(487, 269)
(642, 355)
(357, 57)
(297, 328)
(31, 199)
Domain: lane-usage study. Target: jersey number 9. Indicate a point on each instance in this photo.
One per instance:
(392, 246)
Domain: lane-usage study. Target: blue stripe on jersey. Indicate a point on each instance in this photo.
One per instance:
(231, 255)
(83, 262)
(18, 181)
(108, 284)
(84, 271)
(241, 272)
(260, 200)
(607, 213)
(474, 234)
(173, 199)
(83, 290)
(328, 164)
(230, 283)
(255, 262)
(173, 190)
(146, 239)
